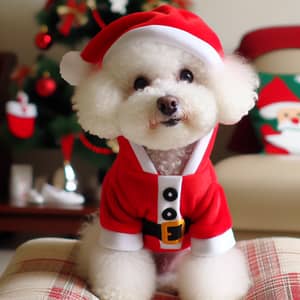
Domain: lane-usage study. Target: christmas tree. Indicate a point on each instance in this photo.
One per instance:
(42, 115)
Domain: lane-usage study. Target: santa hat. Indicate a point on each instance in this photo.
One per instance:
(274, 96)
(177, 27)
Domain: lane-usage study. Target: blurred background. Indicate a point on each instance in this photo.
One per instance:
(230, 19)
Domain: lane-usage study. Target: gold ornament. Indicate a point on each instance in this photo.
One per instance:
(72, 13)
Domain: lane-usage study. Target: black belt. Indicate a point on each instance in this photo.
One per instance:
(170, 232)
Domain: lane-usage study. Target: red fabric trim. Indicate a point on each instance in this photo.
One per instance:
(95, 149)
(67, 143)
(262, 41)
(206, 157)
(164, 15)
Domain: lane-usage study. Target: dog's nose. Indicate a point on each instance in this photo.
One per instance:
(167, 105)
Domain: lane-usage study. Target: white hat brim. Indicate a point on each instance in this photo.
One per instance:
(173, 36)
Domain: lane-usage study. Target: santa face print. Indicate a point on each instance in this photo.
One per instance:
(289, 118)
(288, 136)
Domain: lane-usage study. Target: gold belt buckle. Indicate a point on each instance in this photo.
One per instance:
(165, 234)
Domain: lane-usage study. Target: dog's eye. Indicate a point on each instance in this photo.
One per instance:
(186, 75)
(140, 83)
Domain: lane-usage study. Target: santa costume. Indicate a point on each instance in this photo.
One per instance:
(140, 207)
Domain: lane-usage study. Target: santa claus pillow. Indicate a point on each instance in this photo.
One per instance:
(276, 117)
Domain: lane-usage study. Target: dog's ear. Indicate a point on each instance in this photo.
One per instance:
(73, 68)
(234, 85)
(97, 100)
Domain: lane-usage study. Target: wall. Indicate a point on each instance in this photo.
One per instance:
(230, 19)
(18, 28)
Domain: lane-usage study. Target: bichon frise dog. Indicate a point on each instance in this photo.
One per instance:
(160, 82)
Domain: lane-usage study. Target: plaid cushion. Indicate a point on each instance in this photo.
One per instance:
(42, 269)
(275, 268)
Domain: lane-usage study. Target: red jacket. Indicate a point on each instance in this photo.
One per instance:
(133, 192)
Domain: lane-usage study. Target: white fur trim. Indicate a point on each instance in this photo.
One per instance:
(270, 111)
(165, 182)
(213, 246)
(15, 108)
(173, 36)
(190, 168)
(121, 241)
(143, 158)
(73, 68)
(197, 155)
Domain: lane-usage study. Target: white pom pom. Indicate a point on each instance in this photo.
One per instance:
(73, 68)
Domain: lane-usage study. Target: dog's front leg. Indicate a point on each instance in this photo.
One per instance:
(224, 276)
(115, 275)
(120, 275)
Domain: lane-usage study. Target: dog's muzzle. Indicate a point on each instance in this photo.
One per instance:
(169, 106)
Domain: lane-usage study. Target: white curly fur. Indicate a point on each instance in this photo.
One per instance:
(108, 106)
(234, 86)
(219, 277)
(115, 275)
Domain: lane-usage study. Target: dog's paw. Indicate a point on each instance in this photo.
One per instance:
(223, 277)
(120, 275)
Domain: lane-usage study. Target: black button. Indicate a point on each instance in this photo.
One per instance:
(169, 214)
(170, 194)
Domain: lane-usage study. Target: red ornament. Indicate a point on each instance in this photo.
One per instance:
(45, 86)
(43, 40)
(48, 4)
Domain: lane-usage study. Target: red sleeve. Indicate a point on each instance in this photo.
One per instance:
(211, 216)
(115, 212)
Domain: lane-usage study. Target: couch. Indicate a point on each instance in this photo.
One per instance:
(45, 269)
(262, 189)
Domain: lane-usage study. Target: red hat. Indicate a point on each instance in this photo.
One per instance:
(274, 96)
(177, 27)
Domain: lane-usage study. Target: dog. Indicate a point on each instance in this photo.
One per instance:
(159, 82)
